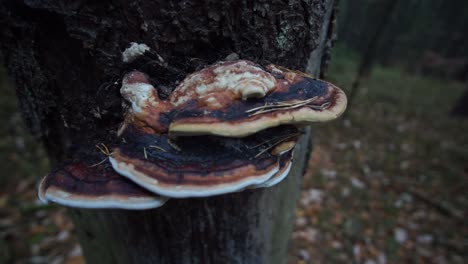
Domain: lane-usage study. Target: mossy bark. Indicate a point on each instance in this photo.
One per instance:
(65, 58)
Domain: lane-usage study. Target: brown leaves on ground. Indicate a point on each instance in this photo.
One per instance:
(388, 183)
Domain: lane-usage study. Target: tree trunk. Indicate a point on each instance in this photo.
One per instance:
(461, 107)
(368, 56)
(66, 61)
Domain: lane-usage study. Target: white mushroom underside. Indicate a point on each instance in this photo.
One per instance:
(303, 115)
(108, 201)
(185, 191)
(277, 178)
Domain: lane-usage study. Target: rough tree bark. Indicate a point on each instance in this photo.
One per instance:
(65, 58)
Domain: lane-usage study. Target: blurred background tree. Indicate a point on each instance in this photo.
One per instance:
(423, 36)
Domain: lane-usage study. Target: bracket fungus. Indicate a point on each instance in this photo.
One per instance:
(294, 98)
(233, 99)
(78, 185)
(200, 167)
(226, 128)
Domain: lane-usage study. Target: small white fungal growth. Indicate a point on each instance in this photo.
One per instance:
(134, 51)
(137, 90)
(139, 94)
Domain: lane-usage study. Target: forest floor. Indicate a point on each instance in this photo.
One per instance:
(386, 184)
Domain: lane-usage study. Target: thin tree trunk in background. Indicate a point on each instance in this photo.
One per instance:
(65, 58)
(368, 56)
(461, 107)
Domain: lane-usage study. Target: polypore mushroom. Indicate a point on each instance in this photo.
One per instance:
(199, 167)
(235, 107)
(232, 99)
(79, 185)
(207, 102)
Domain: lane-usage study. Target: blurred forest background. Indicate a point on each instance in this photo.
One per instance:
(387, 182)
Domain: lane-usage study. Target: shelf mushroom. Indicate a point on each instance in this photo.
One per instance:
(202, 166)
(226, 128)
(241, 121)
(79, 185)
(209, 101)
(232, 99)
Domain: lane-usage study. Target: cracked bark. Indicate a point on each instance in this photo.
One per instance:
(65, 59)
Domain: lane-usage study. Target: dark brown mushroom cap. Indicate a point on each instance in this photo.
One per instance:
(198, 166)
(78, 185)
(295, 99)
